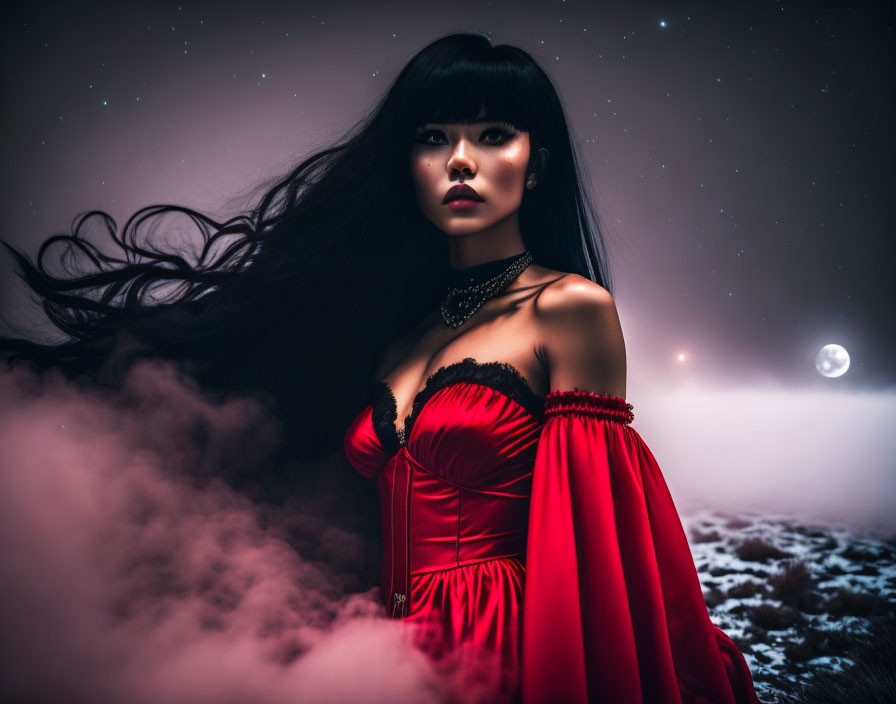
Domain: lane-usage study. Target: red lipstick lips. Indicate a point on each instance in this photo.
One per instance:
(462, 197)
(461, 192)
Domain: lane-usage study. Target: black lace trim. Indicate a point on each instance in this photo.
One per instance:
(383, 415)
(500, 376)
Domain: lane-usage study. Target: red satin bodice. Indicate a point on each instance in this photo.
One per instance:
(485, 480)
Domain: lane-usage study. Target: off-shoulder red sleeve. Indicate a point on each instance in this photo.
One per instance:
(613, 610)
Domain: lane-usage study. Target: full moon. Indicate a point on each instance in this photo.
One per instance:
(832, 361)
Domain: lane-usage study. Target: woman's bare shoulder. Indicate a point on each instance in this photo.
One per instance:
(562, 289)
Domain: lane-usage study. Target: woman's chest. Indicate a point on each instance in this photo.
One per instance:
(507, 337)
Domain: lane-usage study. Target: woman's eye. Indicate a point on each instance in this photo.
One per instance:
(423, 137)
(502, 134)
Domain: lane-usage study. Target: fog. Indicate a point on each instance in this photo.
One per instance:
(127, 576)
(131, 571)
(826, 457)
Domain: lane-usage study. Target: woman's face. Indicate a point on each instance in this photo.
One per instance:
(490, 157)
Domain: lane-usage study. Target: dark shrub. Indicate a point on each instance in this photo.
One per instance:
(714, 597)
(848, 602)
(871, 680)
(758, 550)
(855, 554)
(745, 590)
(698, 536)
(793, 585)
(774, 618)
(829, 544)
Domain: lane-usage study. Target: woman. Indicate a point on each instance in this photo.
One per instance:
(521, 512)
(522, 515)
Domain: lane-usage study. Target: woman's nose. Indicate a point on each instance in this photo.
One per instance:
(460, 161)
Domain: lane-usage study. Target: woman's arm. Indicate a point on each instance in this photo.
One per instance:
(582, 337)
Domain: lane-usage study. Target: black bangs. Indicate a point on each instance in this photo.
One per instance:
(492, 89)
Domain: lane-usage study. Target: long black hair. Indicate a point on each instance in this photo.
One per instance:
(297, 299)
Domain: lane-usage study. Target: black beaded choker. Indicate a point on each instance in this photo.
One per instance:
(470, 287)
(459, 277)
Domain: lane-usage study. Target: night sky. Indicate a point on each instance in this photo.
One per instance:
(740, 157)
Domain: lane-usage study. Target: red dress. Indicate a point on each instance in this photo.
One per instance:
(540, 530)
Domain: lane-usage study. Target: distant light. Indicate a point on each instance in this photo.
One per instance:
(662, 23)
(681, 356)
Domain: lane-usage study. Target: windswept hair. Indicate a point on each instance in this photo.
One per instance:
(296, 299)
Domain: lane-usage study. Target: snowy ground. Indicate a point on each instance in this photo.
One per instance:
(794, 597)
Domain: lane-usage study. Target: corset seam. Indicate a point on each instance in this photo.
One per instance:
(457, 535)
(518, 555)
(392, 538)
(426, 469)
